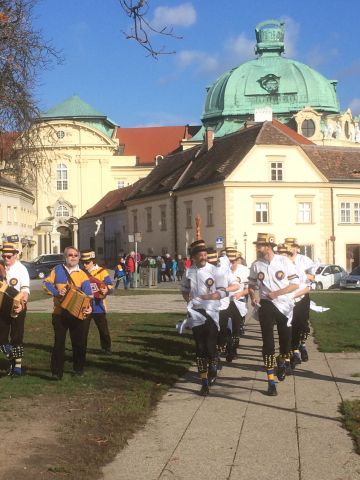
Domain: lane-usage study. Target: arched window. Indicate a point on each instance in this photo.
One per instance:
(62, 211)
(61, 177)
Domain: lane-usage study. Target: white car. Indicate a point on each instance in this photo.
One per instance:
(328, 276)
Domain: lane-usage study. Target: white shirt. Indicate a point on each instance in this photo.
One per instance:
(201, 281)
(225, 278)
(17, 276)
(304, 265)
(242, 275)
(272, 276)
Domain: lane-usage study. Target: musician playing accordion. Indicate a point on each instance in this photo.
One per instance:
(101, 286)
(15, 292)
(72, 294)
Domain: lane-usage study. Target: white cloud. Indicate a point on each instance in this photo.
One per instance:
(292, 29)
(182, 16)
(241, 47)
(355, 106)
(203, 61)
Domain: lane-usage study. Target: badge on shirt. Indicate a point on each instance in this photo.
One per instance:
(261, 276)
(209, 282)
(13, 282)
(280, 275)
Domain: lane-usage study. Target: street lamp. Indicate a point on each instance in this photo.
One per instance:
(245, 240)
(235, 244)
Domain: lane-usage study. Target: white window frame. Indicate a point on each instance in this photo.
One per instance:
(62, 177)
(188, 214)
(277, 171)
(263, 208)
(120, 184)
(209, 211)
(62, 211)
(304, 214)
(345, 212)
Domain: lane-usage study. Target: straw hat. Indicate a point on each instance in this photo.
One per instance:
(265, 239)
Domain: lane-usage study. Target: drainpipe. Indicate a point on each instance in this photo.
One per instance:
(174, 202)
(332, 238)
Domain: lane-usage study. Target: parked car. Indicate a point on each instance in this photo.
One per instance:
(41, 266)
(352, 280)
(328, 276)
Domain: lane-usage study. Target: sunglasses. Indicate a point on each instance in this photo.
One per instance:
(72, 255)
(85, 262)
(8, 256)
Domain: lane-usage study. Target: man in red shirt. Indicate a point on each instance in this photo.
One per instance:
(130, 269)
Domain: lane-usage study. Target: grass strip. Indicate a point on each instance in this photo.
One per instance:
(338, 329)
(350, 410)
(115, 396)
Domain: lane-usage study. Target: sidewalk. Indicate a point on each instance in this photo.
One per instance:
(239, 433)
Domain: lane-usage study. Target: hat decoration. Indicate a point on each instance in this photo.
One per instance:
(87, 255)
(265, 239)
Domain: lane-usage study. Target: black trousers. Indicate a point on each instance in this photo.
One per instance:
(270, 316)
(237, 319)
(103, 328)
(12, 329)
(61, 324)
(205, 337)
(300, 322)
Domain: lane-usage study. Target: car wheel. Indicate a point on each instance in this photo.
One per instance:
(41, 275)
(319, 286)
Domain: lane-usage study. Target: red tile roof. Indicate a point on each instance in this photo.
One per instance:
(148, 142)
(291, 133)
(113, 200)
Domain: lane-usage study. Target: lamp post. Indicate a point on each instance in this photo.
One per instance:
(245, 240)
(235, 244)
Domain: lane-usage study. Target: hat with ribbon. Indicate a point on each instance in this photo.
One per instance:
(265, 239)
(87, 255)
(231, 253)
(282, 248)
(291, 242)
(10, 247)
(212, 256)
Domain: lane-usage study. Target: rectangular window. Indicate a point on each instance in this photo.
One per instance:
(356, 212)
(276, 171)
(163, 217)
(262, 212)
(61, 177)
(120, 184)
(209, 211)
(304, 212)
(9, 218)
(15, 215)
(188, 214)
(307, 250)
(149, 219)
(345, 212)
(135, 220)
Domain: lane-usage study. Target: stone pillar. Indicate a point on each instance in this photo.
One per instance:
(75, 235)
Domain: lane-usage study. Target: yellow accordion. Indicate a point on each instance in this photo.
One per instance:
(10, 299)
(75, 302)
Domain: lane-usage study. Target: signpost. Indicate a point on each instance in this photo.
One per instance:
(219, 242)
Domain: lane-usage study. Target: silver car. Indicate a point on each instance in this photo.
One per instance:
(328, 276)
(352, 280)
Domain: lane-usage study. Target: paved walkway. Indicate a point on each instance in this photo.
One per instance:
(239, 433)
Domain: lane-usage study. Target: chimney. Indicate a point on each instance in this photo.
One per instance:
(209, 138)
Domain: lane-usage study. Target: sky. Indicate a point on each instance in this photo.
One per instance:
(117, 78)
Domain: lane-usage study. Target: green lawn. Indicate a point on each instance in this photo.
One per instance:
(338, 329)
(116, 394)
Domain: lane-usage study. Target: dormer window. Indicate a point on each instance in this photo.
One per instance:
(276, 171)
(308, 128)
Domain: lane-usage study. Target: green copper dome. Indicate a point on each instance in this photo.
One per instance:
(270, 80)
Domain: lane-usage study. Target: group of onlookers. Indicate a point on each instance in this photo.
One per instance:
(168, 268)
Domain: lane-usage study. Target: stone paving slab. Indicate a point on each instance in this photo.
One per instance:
(239, 433)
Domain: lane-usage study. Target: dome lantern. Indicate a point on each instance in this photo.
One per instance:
(270, 38)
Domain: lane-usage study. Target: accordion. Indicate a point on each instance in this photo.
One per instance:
(10, 299)
(75, 302)
(95, 285)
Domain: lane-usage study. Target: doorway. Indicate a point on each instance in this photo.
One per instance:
(352, 256)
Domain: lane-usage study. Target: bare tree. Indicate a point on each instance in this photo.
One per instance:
(142, 31)
(23, 54)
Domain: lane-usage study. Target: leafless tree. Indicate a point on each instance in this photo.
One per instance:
(142, 31)
(23, 54)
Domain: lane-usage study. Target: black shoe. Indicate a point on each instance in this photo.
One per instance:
(56, 377)
(204, 390)
(295, 360)
(272, 392)
(280, 370)
(106, 351)
(304, 353)
(212, 376)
